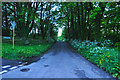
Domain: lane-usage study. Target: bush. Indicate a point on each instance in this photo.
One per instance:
(103, 56)
(23, 52)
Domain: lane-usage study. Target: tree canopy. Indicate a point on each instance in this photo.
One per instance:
(81, 20)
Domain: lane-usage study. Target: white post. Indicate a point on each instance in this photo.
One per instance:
(13, 38)
(13, 26)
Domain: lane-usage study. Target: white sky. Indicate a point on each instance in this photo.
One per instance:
(60, 29)
(53, 9)
(59, 32)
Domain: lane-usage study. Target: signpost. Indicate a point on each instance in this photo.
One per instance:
(13, 26)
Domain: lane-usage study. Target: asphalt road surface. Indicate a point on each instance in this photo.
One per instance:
(59, 62)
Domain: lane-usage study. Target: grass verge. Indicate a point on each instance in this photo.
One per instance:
(105, 58)
(22, 52)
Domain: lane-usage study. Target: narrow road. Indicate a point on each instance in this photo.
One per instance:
(60, 62)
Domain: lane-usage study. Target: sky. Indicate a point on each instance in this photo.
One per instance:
(59, 29)
(59, 32)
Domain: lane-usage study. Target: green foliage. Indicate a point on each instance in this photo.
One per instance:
(93, 21)
(28, 19)
(104, 57)
(117, 46)
(61, 38)
(23, 52)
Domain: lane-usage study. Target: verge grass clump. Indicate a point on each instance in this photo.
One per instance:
(22, 52)
(101, 54)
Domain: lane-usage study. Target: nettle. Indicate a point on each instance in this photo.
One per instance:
(96, 50)
(99, 53)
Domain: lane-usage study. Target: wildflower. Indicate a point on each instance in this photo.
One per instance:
(100, 61)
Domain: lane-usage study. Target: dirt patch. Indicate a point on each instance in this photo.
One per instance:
(80, 73)
(46, 65)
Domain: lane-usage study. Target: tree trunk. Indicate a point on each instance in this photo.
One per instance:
(82, 21)
(68, 28)
(17, 22)
(75, 29)
(6, 19)
(85, 26)
(72, 25)
(48, 24)
(79, 27)
(33, 19)
(89, 32)
(41, 23)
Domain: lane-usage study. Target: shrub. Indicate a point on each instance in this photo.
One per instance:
(101, 55)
